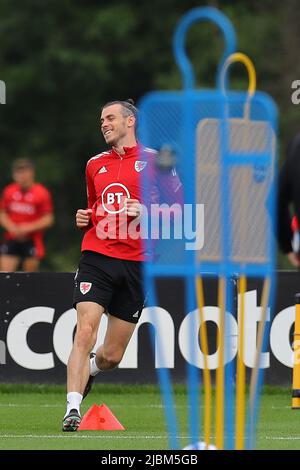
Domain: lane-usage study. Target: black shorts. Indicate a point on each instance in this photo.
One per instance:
(25, 249)
(114, 283)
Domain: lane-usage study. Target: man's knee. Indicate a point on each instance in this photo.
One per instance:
(85, 337)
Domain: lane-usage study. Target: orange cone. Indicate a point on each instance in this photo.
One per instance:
(100, 418)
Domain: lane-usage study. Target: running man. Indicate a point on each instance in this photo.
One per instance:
(25, 213)
(108, 279)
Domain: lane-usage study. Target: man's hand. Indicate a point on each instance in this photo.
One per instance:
(133, 207)
(10, 226)
(293, 259)
(17, 232)
(83, 217)
(22, 230)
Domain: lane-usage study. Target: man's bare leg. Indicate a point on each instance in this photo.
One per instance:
(88, 319)
(31, 265)
(9, 263)
(110, 353)
(117, 337)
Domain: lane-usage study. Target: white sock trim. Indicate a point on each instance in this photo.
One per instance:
(94, 369)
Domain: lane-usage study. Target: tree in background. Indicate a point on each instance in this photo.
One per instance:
(62, 59)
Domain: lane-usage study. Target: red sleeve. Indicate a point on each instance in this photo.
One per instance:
(46, 204)
(90, 188)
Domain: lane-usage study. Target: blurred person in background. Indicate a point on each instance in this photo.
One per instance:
(26, 211)
(289, 203)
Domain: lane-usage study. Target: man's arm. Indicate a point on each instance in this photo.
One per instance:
(83, 216)
(21, 230)
(90, 189)
(7, 223)
(44, 222)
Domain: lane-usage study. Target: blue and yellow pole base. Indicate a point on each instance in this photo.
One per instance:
(296, 367)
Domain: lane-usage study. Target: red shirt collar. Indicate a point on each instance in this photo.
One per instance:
(129, 151)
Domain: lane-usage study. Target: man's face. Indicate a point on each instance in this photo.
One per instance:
(24, 176)
(114, 126)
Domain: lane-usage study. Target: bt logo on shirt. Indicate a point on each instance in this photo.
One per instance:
(113, 198)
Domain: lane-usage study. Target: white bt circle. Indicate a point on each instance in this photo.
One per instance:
(114, 193)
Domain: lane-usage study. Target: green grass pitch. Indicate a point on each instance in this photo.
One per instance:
(30, 418)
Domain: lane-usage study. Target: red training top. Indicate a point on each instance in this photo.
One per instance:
(24, 206)
(111, 177)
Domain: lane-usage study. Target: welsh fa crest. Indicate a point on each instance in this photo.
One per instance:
(139, 165)
(85, 287)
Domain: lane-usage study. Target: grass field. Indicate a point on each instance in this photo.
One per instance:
(30, 418)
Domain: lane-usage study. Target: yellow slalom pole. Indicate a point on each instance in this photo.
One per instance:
(206, 371)
(241, 371)
(296, 368)
(220, 385)
(244, 59)
(260, 337)
(240, 57)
